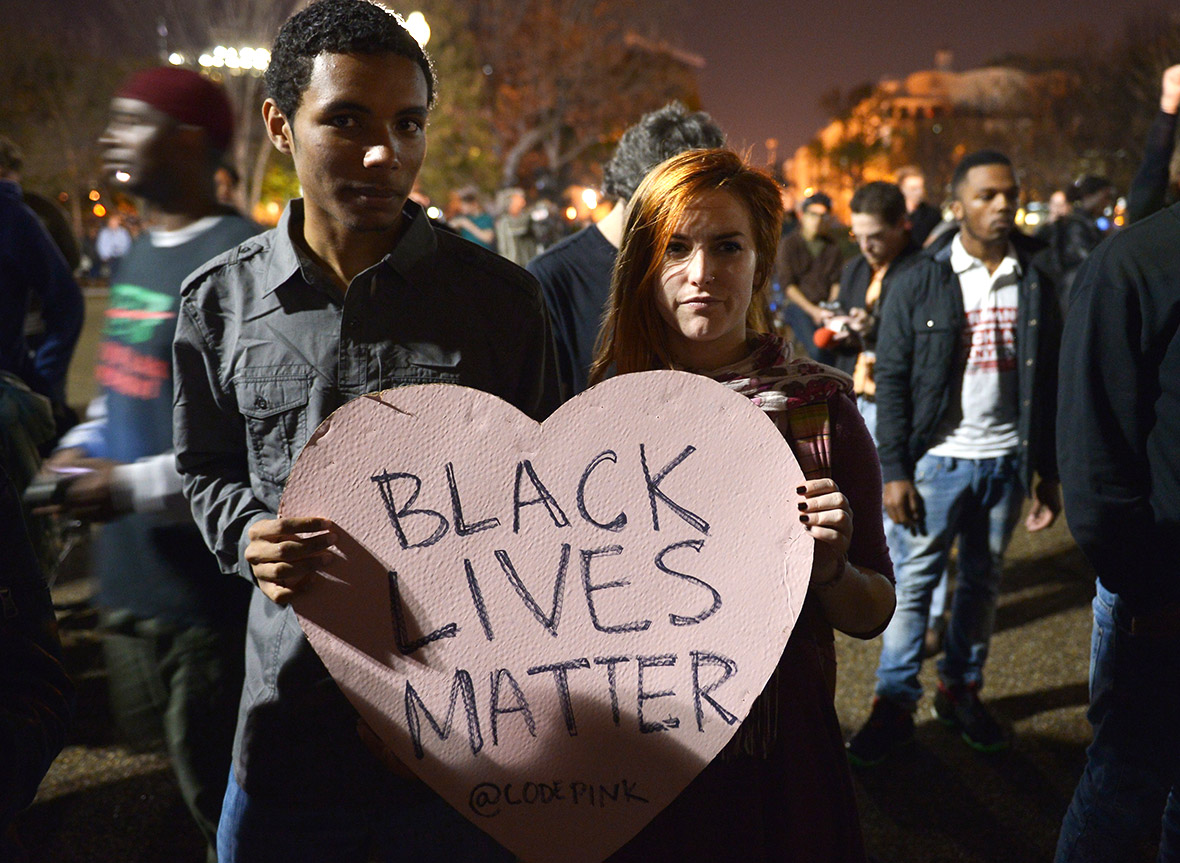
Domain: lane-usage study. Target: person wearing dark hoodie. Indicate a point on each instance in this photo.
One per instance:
(1118, 422)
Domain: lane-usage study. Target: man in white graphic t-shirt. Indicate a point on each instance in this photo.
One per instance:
(966, 396)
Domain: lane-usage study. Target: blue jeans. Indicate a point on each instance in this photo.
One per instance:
(1131, 784)
(868, 411)
(978, 502)
(406, 823)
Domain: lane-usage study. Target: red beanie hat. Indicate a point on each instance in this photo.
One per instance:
(186, 97)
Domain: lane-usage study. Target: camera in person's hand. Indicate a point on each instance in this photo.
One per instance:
(835, 329)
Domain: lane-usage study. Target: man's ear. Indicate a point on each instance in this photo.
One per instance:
(277, 127)
(957, 209)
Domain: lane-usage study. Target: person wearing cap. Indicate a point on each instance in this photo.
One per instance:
(808, 271)
(174, 626)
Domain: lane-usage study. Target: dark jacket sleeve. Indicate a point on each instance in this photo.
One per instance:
(786, 262)
(1108, 408)
(62, 308)
(211, 445)
(539, 390)
(555, 290)
(834, 262)
(36, 695)
(1043, 447)
(895, 356)
(1149, 189)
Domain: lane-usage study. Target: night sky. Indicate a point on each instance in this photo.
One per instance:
(769, 61)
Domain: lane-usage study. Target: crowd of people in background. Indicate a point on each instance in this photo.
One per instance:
(936, 343)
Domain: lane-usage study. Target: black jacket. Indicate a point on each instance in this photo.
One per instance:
(1120, 412)
(919, 343)
(854, 284)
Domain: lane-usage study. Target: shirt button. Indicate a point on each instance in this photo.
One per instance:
(930, 323)
(260, 403)
(1028, 362)
(1033, 322)
(352, 323)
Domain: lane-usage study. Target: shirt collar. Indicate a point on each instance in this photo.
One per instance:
(416, 243)
(962, 260)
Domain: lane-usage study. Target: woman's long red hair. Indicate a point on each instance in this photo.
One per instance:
(632, 337)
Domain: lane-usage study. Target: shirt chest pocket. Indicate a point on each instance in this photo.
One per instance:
(273, 402)
(935, 358)
(426, 364)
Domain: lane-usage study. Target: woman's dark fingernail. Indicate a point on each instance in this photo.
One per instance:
(802, 489)
(803, 506)
(803, 519)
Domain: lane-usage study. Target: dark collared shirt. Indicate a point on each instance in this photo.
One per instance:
(266, 348)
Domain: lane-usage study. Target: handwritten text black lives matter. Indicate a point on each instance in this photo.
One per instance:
(534, 506)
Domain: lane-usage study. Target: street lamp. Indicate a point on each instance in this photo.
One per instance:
(244, 60)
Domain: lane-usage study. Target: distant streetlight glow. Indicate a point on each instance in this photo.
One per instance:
(94, 195)
(590, 198)
(122, 176)
(571, 213)
(244, 59)
(176, 59)
(99, 210)
(417, 27)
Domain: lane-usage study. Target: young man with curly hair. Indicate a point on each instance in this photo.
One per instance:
(354, 291)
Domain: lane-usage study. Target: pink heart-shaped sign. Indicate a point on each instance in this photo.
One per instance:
(557, 625)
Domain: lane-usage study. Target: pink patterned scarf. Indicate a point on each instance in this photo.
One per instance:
(794, 393)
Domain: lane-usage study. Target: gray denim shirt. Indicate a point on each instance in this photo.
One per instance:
(266, 348)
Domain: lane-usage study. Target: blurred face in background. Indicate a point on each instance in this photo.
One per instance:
(1058, 205)
(879, 241)
(811, 220)
(137, 148)
(913, 189)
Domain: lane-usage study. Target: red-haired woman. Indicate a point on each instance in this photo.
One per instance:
(698, 249)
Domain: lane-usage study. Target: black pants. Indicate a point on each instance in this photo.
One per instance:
(179, 686)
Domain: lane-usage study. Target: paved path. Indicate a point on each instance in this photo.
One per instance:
(936, 801)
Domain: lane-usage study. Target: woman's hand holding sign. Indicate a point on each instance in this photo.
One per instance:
(827, 515)
(854, 600)
(284, 552)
